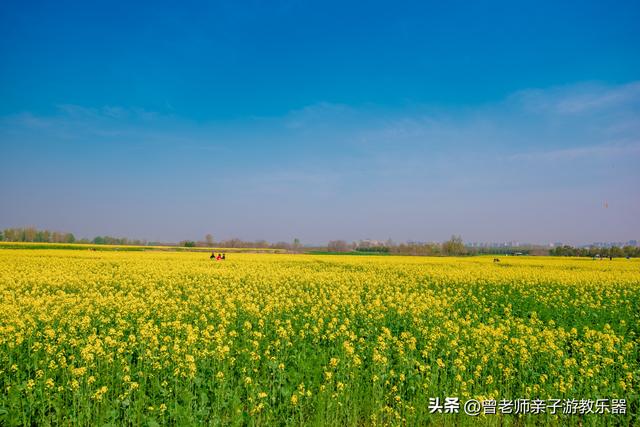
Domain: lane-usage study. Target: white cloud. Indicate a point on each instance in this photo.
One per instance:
(579, 98)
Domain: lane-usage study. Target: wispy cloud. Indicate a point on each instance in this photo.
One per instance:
(579, 99)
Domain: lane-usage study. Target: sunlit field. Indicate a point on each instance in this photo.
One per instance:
(147, 338)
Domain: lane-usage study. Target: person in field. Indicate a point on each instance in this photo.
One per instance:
(224, 257)
(219, 257)
(213, 255)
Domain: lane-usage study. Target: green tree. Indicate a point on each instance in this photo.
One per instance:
(454, 246)
(616, 252)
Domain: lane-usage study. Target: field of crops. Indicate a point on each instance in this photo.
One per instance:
(147, 338)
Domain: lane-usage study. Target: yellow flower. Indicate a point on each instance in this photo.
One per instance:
(98, 395)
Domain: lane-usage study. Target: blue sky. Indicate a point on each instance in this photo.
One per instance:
(275, 120)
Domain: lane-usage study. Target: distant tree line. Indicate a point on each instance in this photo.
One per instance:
(613, 251)
(237, 243)
(453, 246)
(260, 244)
(108, 240)
(32, 234)
(509, 250)
(414, 248)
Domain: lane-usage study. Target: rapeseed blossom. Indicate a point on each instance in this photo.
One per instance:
(130, 337)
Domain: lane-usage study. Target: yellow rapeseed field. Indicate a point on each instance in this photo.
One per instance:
(147, 338)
